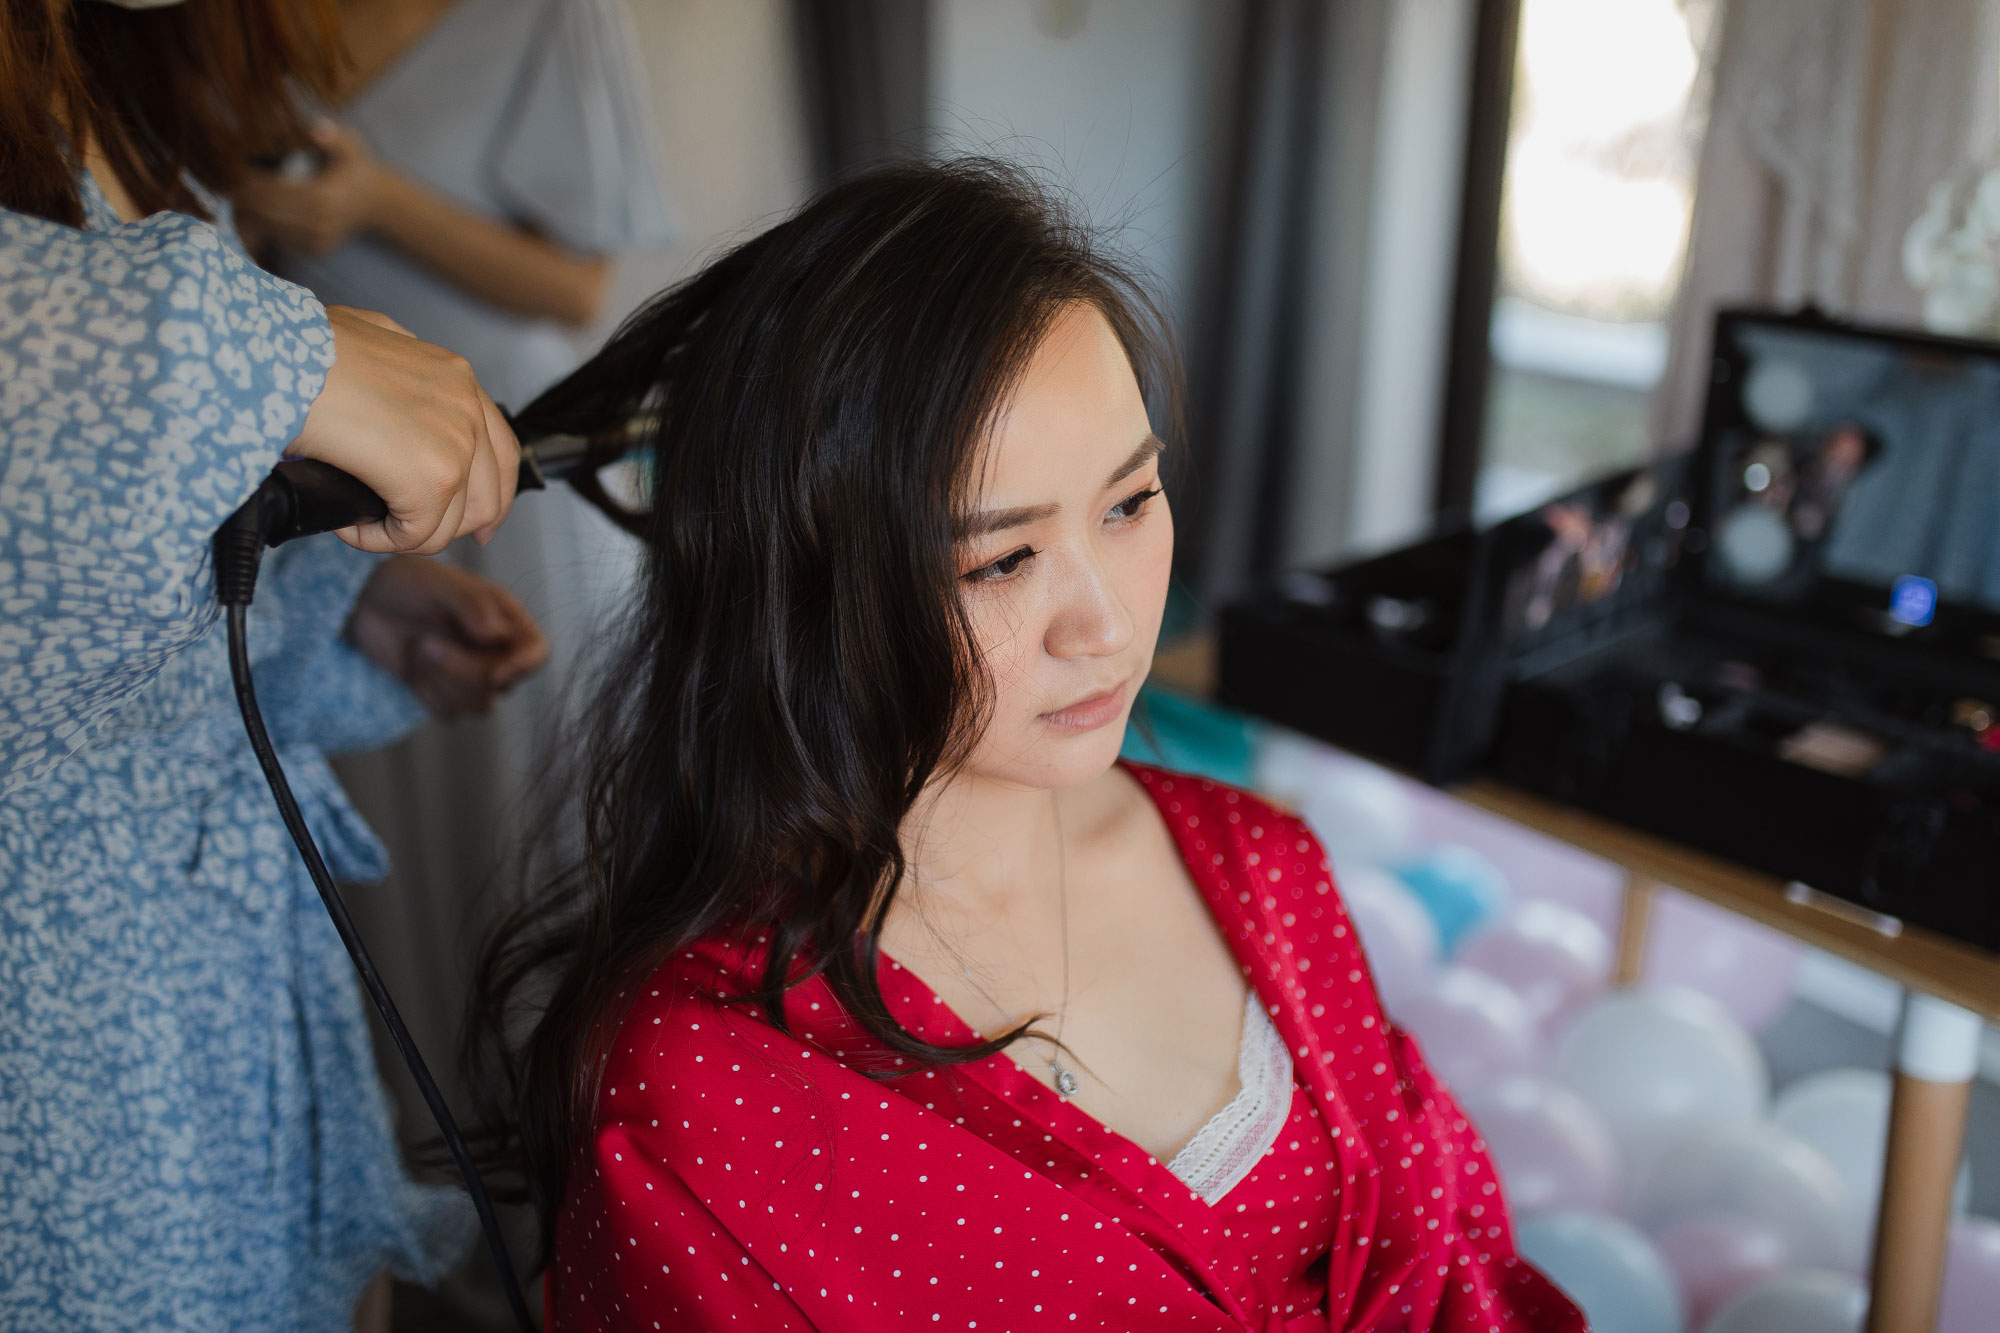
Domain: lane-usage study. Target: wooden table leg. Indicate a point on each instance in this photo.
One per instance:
(1937, 1055)
(1633, 919)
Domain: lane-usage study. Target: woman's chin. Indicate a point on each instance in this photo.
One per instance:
(1061, 760)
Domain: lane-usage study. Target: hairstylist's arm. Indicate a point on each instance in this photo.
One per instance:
(409, 420)
(504, 265)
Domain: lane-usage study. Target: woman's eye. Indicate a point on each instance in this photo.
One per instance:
(1002, 568)
(1133, 505)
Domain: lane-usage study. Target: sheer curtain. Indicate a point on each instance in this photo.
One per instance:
(1831, 121)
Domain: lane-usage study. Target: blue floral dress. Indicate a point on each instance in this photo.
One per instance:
(192, 1134)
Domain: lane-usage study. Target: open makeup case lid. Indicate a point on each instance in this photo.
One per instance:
(1847, 486)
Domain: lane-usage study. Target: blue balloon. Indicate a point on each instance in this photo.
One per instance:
(1607, 1267)
(1461, 889)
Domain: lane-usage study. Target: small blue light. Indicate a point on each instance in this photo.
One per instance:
(1913, 600)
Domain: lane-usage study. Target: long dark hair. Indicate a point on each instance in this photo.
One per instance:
(193, 90)
(798, 665)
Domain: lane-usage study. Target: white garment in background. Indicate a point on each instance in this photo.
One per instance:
(533, 112)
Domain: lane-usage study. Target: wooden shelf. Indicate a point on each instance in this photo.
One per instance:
(1916, 958)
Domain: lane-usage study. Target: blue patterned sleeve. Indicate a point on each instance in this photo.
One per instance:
(317, 689)
(149, 378)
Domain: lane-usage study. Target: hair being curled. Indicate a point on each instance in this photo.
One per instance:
(798, 666)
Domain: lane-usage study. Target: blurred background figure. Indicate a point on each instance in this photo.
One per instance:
(482, 164)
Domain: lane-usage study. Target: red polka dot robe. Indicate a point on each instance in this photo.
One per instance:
(741, 1177)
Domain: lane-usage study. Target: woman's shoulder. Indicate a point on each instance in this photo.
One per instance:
(1215, 819)
(687, 1043)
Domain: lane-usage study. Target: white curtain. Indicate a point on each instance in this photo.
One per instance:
(1831, 120)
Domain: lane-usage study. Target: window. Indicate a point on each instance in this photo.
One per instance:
(1596, 194)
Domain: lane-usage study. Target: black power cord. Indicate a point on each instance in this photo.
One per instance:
(298, 499)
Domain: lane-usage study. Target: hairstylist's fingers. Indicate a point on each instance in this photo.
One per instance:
(529, 655)
(488, 615)
(524, 648)
(449, 526)
(482, 491)
(507, 454)
(408, 420)
(450, 678)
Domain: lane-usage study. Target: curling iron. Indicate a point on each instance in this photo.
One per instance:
(303, 497)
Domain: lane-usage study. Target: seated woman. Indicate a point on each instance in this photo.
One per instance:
(883, 995)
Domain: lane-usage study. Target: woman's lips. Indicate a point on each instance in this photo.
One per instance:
(1088, 714)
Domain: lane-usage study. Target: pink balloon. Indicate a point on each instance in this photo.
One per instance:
(1554, 957)
(1552, 1151)
(1716, 1257)
(1473, 1030)
(1746, 967)
(1971, 1277)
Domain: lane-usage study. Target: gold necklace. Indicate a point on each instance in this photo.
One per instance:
(1066, 1080)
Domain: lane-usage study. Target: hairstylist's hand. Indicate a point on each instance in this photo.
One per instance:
(457, 640)
(412, 424)
(314, 214)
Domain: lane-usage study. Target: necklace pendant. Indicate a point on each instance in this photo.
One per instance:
(1066, 1082)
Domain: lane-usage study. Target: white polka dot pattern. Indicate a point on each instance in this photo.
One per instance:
(741, 1177)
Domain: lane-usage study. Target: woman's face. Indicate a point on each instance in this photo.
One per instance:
(1063, 565)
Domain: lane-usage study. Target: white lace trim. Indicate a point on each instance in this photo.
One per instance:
(1229, 1146)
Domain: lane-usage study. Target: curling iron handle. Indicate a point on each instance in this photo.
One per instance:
(324, 499)
(317, 497)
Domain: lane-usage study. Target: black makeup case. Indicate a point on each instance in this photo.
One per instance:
(1783, 648)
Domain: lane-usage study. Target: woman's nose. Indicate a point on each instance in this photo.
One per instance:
(1090, 619)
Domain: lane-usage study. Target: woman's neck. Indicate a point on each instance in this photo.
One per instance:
(100, 169)
(982, 847)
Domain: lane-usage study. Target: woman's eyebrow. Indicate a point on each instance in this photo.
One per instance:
(1149, 448)
(990, 521)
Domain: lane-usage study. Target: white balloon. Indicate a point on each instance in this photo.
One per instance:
(1751, 1170)
(1286, 764)
(1844, 1113)
(1648, 1059)
(1363, 815)
(1551, 1150)
(1473, 1030)
(1552, 956)
(1613, 1273)
(1745, 967)
(1397, 934)
(1799, 1302)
